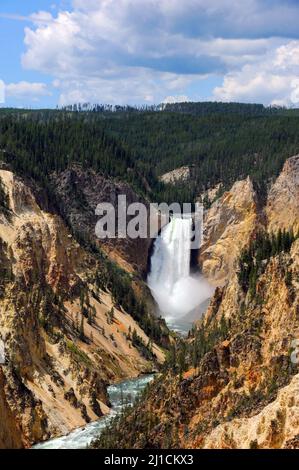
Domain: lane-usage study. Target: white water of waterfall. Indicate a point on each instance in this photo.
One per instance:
(174, 289)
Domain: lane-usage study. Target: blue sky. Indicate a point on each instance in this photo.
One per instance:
(149, 51)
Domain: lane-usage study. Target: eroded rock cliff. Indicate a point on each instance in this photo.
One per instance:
(78, 193)
(228, 226)
(282, 208)
(239, 214)
(65, 337)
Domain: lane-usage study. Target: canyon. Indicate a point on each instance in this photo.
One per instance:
(239, 387)
(77, 316)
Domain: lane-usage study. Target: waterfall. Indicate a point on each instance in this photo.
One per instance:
(171, 259)
(174, 289)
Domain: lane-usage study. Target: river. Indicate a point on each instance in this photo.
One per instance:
(120, 395)
(181, 297)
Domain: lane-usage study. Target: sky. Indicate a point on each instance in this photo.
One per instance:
(148, 51)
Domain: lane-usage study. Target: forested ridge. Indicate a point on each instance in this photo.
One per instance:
(221, 142)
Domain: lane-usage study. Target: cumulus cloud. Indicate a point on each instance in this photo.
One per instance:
(124, 51)
(273, 79)
(24, 90)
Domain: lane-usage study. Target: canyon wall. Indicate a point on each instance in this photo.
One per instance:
(228, 226)
(65, 336)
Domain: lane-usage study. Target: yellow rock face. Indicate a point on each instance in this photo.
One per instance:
(60, 380)
(234, 218)
(228, 225)
(282, 208)
(10, 432)
(273, 428)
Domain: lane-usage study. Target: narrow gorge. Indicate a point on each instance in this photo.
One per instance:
(135, 343)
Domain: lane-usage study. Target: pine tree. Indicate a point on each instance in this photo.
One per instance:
(81, 332)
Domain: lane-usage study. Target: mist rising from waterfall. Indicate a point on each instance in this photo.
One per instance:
(174, 289)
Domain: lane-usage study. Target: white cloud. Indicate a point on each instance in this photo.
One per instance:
(270, 80)
(27, 90)
(124, 51)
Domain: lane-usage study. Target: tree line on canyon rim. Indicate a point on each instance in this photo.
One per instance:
(220, 142)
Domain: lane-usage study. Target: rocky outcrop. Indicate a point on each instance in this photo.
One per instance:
(10, 433)
(177, 175)
(210, 195)
(79, 192)
(276, 426)
(228, 226)
(282, 209)
(234, 218)
(65, 338)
